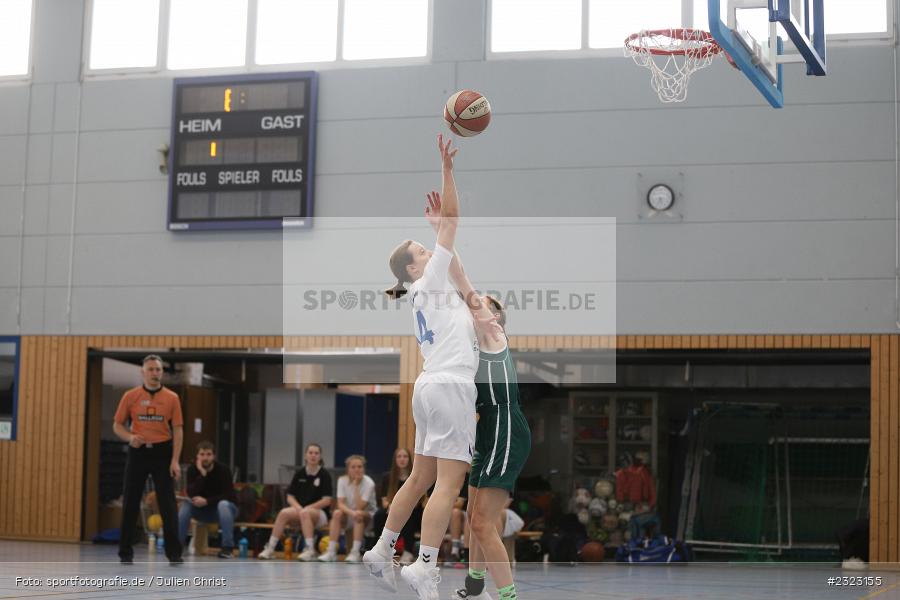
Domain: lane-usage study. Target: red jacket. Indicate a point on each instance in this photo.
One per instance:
(635, 484)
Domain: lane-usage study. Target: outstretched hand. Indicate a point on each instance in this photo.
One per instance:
(488, 326)
(447, 155)
(433, 210)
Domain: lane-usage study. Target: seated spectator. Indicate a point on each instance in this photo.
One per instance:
(309, 502)
(401, 466)
(354, 511)
(212, 497)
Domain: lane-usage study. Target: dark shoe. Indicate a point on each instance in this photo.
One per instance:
(225, 553)
(126, 560)
(176, 561)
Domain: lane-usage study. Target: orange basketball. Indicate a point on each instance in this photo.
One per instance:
(592, 552)
(467, 113)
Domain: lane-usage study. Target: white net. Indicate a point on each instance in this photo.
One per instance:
(672, 55)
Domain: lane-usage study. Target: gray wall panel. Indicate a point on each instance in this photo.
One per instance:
(65, 106)
(166, 259)
(62, 165)
(10, 210)
(34, 265)
(149, 103)
(41, 118)
(37, 199)
(8, 322)
(9, 261)
(151, 310)
(40, 156)
(122, 207)
(14, 108)
(395, 93)
(120, 155)
(32, 311)
(754, 307)
(12, 167)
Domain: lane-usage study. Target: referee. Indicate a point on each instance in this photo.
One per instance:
(156, 421)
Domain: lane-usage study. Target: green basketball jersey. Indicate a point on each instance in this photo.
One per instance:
(496, 379)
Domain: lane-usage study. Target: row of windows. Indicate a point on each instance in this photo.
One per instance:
(199, 34)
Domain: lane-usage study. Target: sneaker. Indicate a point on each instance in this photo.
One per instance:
(422, 579)
(175, 561)
(854, 564)
(267, 554)
(353, 557)
(225, 553)
(126, 560)
(407, 558)
(464, 595)
(380, 563)
(326, 557)
(307, 555)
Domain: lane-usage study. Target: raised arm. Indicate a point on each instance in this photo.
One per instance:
(490, 334)
(449, 208)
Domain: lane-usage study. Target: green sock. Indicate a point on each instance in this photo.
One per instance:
(477, 573)
(508, 592)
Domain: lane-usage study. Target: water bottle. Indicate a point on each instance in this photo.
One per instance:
(243, 545)
(151, 543)
(288, 548)
(160, 544)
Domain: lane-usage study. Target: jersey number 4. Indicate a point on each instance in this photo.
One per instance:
(425, 334)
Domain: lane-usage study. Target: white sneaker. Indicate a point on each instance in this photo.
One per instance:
(267, 554)
(380, 563)
(854, 564)
(328, 557)
(407, 558)
(422, 579)
(353, 557)
(307, 555)
(464, 595)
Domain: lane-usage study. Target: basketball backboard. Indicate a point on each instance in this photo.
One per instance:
(762, 35)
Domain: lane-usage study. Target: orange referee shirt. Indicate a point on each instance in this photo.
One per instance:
(150, 414)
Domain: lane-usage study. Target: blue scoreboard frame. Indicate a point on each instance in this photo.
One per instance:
(242, 152)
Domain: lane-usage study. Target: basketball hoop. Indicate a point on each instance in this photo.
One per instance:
(672, 55)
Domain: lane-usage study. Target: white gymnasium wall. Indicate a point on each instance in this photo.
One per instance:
(788, 216)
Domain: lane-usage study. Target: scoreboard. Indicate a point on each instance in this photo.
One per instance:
(242, 151)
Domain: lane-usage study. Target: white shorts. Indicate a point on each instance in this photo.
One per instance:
(514, 524)
(444, 412)
(322, 521)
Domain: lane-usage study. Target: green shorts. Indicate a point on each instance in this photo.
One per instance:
(502, 445)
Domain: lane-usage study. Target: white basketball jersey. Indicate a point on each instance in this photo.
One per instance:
(442, 322)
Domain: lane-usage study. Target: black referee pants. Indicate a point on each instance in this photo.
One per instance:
(155, 462)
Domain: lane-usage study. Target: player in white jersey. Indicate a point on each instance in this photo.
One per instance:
(443, 397)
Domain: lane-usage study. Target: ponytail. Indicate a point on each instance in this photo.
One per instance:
(396, 292)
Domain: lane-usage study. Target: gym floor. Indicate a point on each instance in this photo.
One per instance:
(315, 581)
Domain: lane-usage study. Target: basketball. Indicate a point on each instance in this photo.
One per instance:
(592, 552)
(603, 488)
(154, 522)
(597, 507)
(467, 113)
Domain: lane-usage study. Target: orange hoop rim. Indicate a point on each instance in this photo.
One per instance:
(680, 33)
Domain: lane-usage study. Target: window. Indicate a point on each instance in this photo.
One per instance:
(288, 31)
(15, 37)
(551, 25)
(523, 25)
(180, 35)
(385, 29)
(124, 34)
(9, 379)
(207, 33)
(855, 16)
(611, 21)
